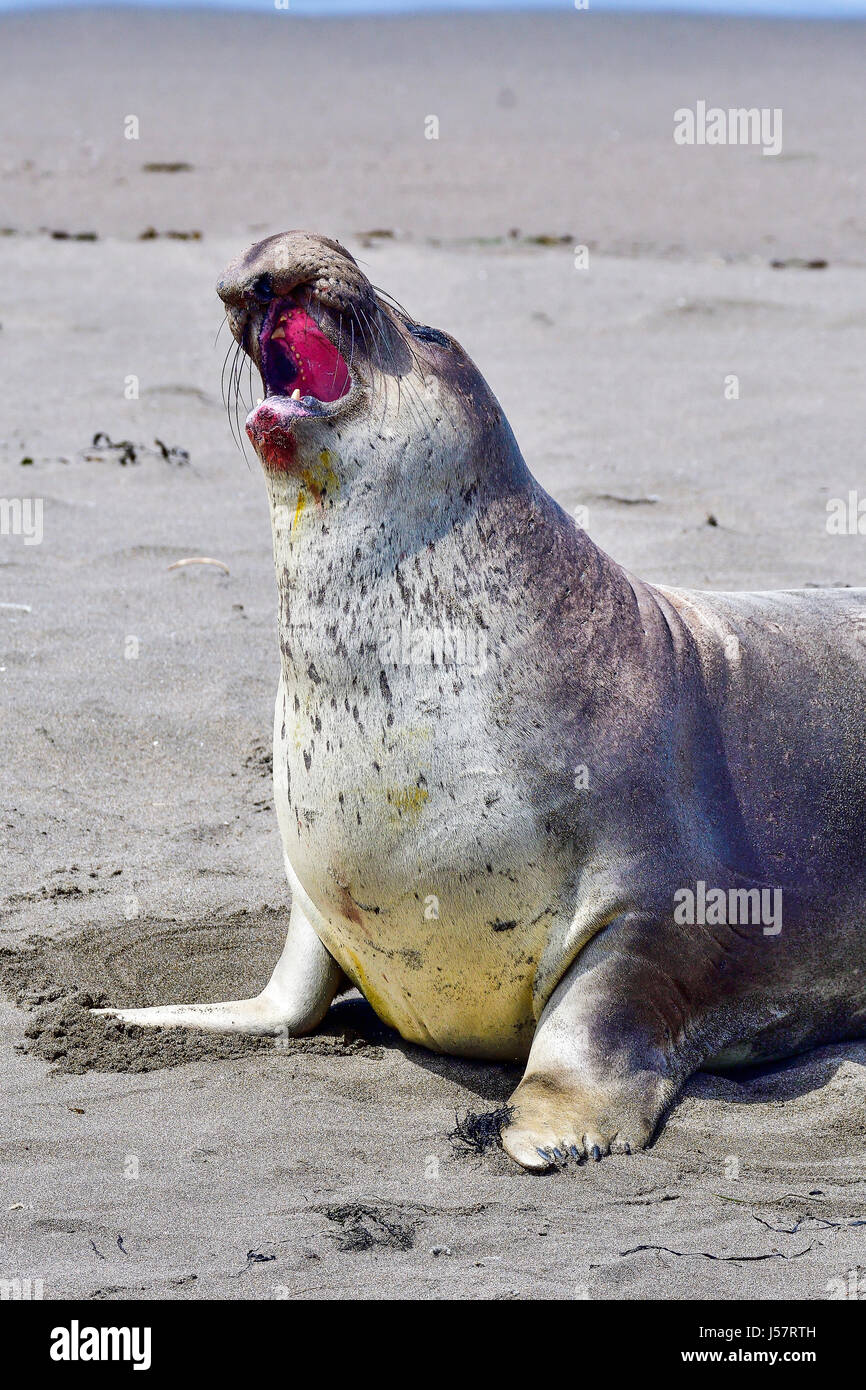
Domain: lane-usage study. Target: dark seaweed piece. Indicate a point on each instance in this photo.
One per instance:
(476, 1133)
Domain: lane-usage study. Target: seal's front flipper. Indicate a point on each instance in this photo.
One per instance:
(295, 999)
(556, 1118)
(604, 1063)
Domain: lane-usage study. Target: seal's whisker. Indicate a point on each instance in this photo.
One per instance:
(252, 403)
(412, 387)
(392, 302)
(226, 391)
(239, 399)
(399, 393)
(399, 377)
(339, 346)
(387, 346)
(351, 344)
(443, 412)
(237, 368)
(421, 401)
(374, 326)
(417, 363)
(400, 383)
(422, 414)
(223, 374)
(232, 347)
(362, 316)
(245, 380)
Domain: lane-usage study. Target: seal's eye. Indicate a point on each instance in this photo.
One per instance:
(263, 288)
(428, 335)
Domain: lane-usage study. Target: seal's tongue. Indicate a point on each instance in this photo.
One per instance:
(299, 358)
(301, 369)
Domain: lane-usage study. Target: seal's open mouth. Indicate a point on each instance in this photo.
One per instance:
(303, 373)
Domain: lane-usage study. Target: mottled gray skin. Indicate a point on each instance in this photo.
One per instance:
(491, 850)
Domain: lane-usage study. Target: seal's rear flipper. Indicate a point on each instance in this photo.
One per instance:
(256, 1016)
(295, 999)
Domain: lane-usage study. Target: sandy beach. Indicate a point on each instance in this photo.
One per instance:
(141, 854)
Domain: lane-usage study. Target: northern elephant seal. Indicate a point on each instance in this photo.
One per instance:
(533, 807)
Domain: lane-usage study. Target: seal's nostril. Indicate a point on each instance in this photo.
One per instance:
(263, 288)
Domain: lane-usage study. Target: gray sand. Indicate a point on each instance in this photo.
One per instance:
(141, 850)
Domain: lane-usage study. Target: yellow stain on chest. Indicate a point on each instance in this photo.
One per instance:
(406, 801)
(316, 482)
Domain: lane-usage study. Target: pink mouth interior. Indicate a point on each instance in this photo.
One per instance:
(298, 357)
(302, 371)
